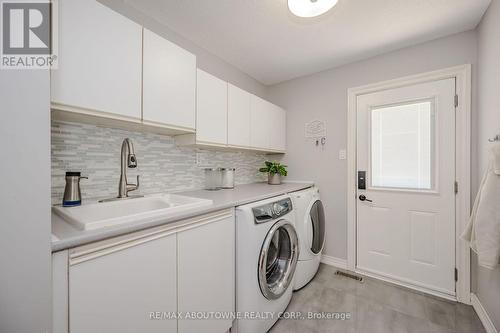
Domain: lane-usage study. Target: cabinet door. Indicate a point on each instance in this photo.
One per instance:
(260, 125)
(211, 109)
(207, 274)
(100, 57)
(60, 292)
(278, 128)
(169, 83)
(238, 117)
(118, 291)
(281, 143)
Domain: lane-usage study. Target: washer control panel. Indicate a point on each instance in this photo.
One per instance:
(272, 210)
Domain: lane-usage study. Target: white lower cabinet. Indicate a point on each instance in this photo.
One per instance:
(207, 276)
(116, 292)
(60, 292)
(143, 281)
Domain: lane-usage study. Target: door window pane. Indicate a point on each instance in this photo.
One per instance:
(402, 141)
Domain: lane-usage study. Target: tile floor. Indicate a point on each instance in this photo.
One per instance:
(374, 307)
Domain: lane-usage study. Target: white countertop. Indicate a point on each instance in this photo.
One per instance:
(66, 236)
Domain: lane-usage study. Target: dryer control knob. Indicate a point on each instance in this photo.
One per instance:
(277, 209)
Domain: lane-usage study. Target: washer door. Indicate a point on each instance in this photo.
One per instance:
(317, 215)
(278, 259)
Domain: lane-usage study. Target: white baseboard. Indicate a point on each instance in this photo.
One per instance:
(333, 261)
(408, 284)
(482, 314)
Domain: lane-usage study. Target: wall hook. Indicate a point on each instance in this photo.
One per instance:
(495, 139)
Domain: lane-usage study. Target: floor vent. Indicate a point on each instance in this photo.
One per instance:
(350, 276)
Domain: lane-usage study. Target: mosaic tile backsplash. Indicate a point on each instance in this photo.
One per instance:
(162, 166)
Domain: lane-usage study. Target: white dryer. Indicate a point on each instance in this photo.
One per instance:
(267, 251)
(310, 226)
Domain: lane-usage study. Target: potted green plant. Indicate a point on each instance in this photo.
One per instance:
(274, 172)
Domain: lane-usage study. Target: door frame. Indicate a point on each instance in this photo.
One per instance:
(462, 74)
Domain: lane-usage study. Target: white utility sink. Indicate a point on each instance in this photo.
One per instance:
(106, 214)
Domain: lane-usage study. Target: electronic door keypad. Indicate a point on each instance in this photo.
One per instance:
(361, 180)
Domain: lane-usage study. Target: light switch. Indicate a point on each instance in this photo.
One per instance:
(342, 154)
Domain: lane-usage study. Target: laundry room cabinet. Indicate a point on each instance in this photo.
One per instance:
(260, 126)
(116, 289)
(231, 118)
(267, 125)
(113, 72)
(211, 109)
(133, 283)
(99, 61)
(238, 117)
(277, 138)
(169, 83)
(207, 275)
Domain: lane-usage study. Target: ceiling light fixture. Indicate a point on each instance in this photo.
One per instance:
(310, 8)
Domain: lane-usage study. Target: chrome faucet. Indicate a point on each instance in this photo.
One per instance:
(129, 160)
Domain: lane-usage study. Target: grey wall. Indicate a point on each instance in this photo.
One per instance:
(205, 60)
(162, 166)
(25, 274)
(486, 283)
(324, 96)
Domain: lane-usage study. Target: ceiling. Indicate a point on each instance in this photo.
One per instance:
(262, 39)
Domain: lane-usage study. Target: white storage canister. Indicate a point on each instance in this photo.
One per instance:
(227, 177)
(213, 179)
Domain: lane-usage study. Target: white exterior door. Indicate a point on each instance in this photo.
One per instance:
(406, 206)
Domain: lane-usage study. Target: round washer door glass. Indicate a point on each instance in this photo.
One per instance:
(278, 259)
(317, 215)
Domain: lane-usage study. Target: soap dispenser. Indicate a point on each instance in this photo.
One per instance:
(72, 194)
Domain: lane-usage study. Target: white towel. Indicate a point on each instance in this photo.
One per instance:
(483, 230)
(495, 151)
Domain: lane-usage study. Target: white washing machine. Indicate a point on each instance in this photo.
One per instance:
(267, 251)
(310, 226)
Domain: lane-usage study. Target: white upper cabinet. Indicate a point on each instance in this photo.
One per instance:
(169, 83)
(100, 57)
(260, 126)
(211, 109)
(267, 125)
(278, 129)
(238, 117)
(113, 72)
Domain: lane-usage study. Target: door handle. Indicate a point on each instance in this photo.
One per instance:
(362, 197)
